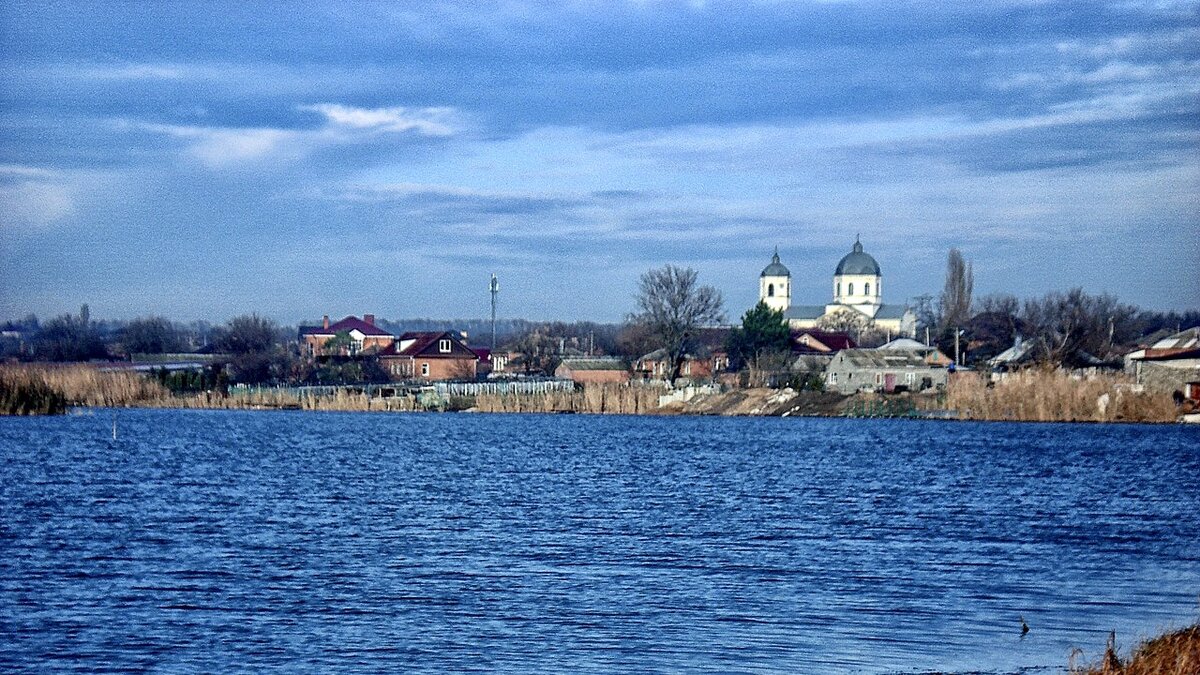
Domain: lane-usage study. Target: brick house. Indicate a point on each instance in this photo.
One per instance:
(365, 337)
(430, 356)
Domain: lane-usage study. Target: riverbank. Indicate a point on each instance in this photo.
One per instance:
(1041, 396)
(1174, 653)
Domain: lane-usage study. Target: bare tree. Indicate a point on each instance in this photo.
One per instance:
(954, 304)
(672, 306)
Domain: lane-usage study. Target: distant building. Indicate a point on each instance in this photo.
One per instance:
(657, 365)
(593, 370)
(364, 337)
(857, 287)
(431, 356)
(932, 355)
(1169, 364)
(885, 370)
(813, 341)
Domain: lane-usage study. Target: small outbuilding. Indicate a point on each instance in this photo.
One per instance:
(593, 370)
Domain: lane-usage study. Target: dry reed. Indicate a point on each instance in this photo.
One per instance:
(593, 398)
(1176, 653)
(90, 386)
(1055, 396)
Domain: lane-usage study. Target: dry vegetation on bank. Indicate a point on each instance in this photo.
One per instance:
(50, 389)
(603, 398)
(1175, 653)
(1055, 396)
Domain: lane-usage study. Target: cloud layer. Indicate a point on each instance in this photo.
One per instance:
(570, 147)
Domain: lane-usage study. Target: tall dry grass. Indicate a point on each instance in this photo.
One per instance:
(593, 398)
(1176, 653)
(1055, 396)
(89, 386)
(26, 393)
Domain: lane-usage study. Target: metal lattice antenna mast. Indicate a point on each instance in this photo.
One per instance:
(495, 287)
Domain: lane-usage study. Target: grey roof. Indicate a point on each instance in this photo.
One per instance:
(879, 358)
(857, 262)
(776, 268)
(1188, 339)
(891, 312)
(804, 312)
(905, 343)
(594, 363)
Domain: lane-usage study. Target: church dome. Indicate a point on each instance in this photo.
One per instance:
(776, 268)
(857, 262)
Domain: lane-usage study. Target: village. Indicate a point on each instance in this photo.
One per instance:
(853, 345)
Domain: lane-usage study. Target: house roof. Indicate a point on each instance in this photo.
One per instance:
(347, 324)
(879, 358)
(905, 343)
(832, 340)
(1188, 339)
(425, 344)
(594, 363)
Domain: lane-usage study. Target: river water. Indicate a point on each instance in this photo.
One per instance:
(222, 541)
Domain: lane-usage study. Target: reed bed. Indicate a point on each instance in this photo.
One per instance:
(1175, 653)
(1055, 396)
(615, 399)
(89, 386)
(24, 392)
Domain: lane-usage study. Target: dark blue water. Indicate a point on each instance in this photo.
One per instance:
(259, 541)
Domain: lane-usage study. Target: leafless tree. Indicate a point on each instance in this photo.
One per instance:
(672, 306)
(954, 305)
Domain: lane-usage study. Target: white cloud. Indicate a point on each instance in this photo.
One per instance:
(34, 203)
(426, 121)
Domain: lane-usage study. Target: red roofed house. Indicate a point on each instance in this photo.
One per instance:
(365, 337)
(430, 356)
(813, 341)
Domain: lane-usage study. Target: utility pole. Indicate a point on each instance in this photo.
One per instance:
(495, 288)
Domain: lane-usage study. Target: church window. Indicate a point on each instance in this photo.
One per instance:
(839, 291)
(770, 290)
(867, 288)
(851, 288)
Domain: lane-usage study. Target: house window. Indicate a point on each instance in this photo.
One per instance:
(851, 287)
(878, 378)
(424, 370)
(770, 290)
(444, 346)
(833, 378)
(867, 289)
(910, 378)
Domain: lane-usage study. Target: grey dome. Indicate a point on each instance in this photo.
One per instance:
(857, 262)
(776, 268)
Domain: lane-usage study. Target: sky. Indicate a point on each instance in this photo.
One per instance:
(203, 160)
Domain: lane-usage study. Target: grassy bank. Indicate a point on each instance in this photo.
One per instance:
(1055, 396)
(25, 393)
(1175, 653)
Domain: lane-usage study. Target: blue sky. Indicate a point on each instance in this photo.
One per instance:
(205, 160)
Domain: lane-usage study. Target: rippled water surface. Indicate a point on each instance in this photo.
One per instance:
(260, 541)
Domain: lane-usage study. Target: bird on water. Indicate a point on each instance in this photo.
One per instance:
(1024, 626)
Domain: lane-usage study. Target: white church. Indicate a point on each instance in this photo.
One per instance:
(857, 287)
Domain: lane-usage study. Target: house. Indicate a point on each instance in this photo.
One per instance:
(360, 336)
(430, 356)
(932, 355)
(813, 341)
(657, 365)
(1169, 364)
(888, 370)
(593, 370)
